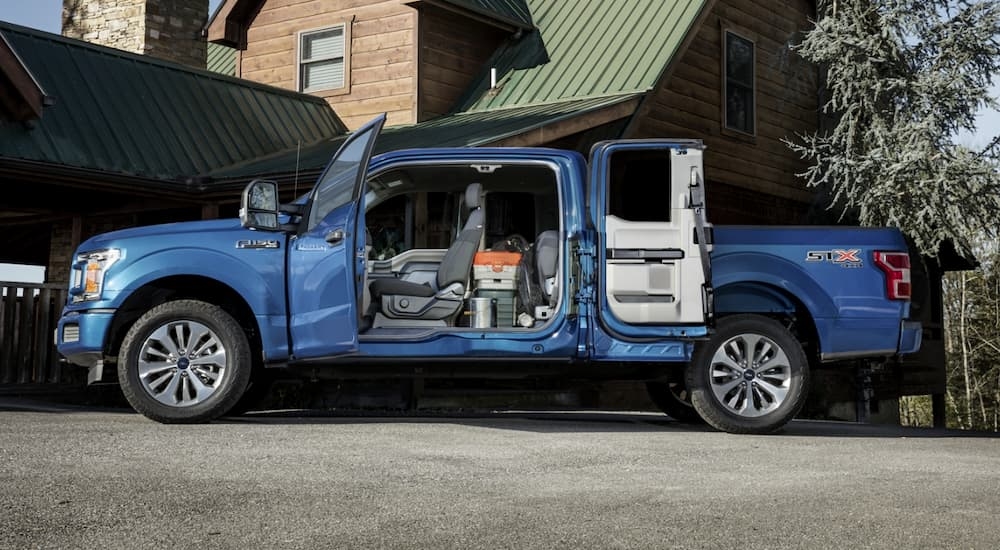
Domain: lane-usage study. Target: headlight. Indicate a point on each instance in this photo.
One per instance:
(88, 273)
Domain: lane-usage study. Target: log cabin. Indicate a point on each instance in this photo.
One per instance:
(448, 72)
(724, 71)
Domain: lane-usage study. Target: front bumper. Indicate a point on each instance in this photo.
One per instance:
(910, 337)
(81, 335)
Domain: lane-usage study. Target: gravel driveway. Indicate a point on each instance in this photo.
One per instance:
(72, 478)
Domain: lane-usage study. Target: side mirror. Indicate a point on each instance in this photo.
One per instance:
(259, 206)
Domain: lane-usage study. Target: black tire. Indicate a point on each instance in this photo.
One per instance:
(674, 399)
(735, 394)
(184, 385)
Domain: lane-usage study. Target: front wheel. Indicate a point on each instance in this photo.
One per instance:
(751, 377)
(184, 362)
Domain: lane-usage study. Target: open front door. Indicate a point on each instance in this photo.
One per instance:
(645, 200)
(326, 262)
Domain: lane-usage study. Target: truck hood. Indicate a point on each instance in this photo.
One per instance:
(167, 229)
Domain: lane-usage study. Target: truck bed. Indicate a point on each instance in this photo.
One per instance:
(828, 273)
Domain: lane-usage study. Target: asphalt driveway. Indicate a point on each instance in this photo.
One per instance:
(74, 478)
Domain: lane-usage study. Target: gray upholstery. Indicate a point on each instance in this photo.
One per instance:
(546, 261)
(457, 261)
(473, 197)
(389, 285)
(399, 299)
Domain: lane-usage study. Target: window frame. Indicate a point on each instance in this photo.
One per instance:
(614, 185)
(727, 129)
(345, 87)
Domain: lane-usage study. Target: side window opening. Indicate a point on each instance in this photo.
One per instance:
(416, 212)
(639, 185)
(509, 213)
(428, 210)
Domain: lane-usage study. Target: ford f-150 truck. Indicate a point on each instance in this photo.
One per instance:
(620, 277)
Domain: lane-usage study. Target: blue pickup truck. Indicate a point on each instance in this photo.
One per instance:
(620, 277)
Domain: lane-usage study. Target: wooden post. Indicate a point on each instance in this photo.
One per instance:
(938, 410)
(210, 211)
(25, 335)
(420, 238)
(43, 335)
(7, 353)
(76, 233)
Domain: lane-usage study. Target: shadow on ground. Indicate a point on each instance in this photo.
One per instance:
(540, 421)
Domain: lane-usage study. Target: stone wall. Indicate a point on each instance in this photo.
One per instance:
(166, 29)
(61, 250)
(65, 239)
(173, 30)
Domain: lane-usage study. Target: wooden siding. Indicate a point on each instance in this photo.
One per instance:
(453, 51)
(382, 63)
(687, 103)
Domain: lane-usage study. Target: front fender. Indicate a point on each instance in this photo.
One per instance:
(258, 278)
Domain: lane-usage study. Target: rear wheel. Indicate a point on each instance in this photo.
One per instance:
(183, 362)
(674, 399)
(751, 377)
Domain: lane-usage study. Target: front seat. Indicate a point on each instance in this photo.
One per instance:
(405, 300)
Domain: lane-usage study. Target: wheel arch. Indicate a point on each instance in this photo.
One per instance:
(758, 298)
(180, 287)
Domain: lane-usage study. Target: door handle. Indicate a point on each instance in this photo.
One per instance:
(335, 236)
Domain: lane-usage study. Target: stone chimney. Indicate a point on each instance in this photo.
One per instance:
(166, 29)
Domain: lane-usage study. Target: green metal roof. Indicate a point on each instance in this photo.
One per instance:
(585, 48)
(221, 59)
(129, 114)
(514, 12)
(456, 130)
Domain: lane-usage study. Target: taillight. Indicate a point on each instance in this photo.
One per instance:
(896, 266)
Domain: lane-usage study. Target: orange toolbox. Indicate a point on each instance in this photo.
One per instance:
(496, 270)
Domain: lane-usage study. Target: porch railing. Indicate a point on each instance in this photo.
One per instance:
(28, 317)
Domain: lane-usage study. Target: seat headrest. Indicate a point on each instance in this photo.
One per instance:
(473, 194)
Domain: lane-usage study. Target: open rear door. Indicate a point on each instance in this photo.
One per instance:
(645, 199)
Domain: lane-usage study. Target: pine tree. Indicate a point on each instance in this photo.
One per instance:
(903, 78)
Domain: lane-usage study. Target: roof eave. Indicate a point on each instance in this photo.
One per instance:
(493, 19)
(25, 98)
(229, 23)
(96, 179)
(608, 109)
(570, 124)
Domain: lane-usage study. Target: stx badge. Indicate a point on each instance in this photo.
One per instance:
(843, 258)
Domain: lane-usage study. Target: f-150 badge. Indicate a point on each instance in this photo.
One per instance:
(843, 258)
(258, 244)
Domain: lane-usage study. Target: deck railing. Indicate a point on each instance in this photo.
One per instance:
(28, 317)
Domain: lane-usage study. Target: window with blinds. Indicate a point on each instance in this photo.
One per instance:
(739, 95)
(321, 59)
